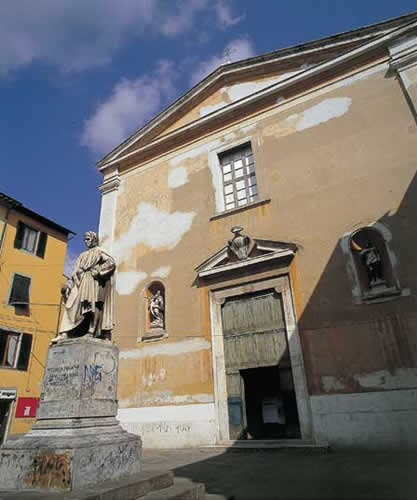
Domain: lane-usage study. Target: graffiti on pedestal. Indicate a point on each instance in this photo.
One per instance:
(50, 470)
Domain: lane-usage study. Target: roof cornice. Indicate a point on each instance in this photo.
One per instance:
(301, 77)
(18, 206)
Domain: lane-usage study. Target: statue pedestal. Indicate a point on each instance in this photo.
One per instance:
(76, 440)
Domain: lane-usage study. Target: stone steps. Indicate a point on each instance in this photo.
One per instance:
(181, 489)
(142, 486)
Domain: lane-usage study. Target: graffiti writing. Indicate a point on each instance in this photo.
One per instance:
(166, 427)
(93, 373)
(50, 470)
(106, 359)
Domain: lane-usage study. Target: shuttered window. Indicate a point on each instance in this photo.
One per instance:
(15, 349)
(239, 179)
(30, 239)
(19, 293)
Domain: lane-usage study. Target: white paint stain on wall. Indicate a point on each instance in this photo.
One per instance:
(209, 109)
(194, 152)
(230, 136)
(177, 177)
(363, 75)
(217, 181)
(322, 112)
(162, 272)
(242, 90)
(248, 128)
(331, 383)
(127, 281)
(154, 228)
(165, 397)
(402, 378)
(183, 347)
(152, 378)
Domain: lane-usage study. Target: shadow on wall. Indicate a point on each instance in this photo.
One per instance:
(353, 347)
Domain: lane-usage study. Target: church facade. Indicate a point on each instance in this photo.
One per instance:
(264, 229)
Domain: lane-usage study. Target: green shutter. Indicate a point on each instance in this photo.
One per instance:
(43, 237)
(20, 290)
(20, 232)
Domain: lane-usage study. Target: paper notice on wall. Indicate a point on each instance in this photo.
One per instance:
(273, 411)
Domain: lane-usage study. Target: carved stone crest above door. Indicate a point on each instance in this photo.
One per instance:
(244, 252)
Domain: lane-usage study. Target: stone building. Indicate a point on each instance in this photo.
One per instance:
(32, 255)
(265, 231)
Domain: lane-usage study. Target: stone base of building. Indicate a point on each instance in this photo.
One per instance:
(175, 426)
(380, 420)
(76, 440)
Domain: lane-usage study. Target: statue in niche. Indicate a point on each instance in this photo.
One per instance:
(88, 294)
(241, 244)
(370, 258)
(156, 309)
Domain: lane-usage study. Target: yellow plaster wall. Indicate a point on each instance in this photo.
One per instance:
(325, 176)
(41, 320)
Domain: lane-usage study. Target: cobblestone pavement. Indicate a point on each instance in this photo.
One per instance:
(293, 474)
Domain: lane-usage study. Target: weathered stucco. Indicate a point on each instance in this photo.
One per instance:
(328, 162)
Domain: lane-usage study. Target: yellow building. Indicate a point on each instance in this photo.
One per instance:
(32, 255)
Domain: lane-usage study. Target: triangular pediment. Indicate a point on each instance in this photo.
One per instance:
(251, 252)
(231, 85)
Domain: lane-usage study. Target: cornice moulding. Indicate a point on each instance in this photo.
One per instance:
(301, 77)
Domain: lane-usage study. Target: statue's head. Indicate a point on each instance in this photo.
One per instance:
(90, 239)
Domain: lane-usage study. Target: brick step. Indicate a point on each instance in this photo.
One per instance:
(182, 489)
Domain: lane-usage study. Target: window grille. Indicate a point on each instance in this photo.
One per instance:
(239, 178)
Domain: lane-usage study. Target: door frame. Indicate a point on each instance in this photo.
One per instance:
(282, 285)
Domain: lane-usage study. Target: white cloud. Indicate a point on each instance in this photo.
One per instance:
(183, 18)
(241, 48)
(130, 104)
(72, 35)
(76, 35)
(225, 15)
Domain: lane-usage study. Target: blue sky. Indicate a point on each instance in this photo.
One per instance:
(77, 77)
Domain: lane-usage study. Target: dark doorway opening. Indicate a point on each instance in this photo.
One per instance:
(5, 408)
(270, 403)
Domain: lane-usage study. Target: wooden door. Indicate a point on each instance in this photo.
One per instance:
(254, 336)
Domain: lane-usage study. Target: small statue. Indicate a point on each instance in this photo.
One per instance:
(241, 244)
(372, 262)
(371, 259)
(156, 309)
(88, 294)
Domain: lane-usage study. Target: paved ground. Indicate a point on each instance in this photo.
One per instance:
(294, 474)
